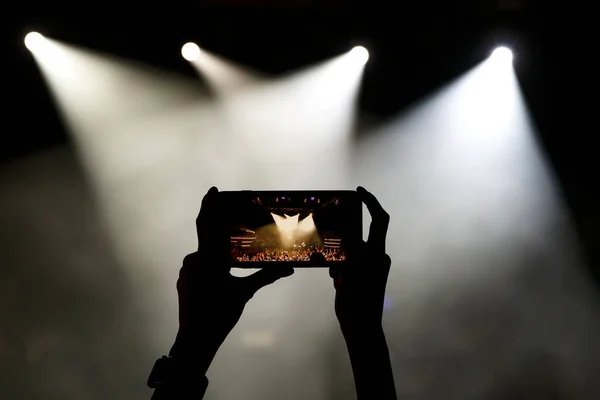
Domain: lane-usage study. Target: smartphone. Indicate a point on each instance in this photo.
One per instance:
(296, 228)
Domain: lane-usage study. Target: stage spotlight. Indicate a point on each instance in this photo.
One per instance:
(360, 54)
(33, 41)
(190, 51)
(502, 54)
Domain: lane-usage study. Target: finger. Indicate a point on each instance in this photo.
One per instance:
(206, 220)
(380, 220)
(264, 277)
(387, 261)
(335, 272)
(181, 295)
(183, 289)
(353, 246)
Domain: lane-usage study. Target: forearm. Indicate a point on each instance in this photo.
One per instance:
(371, 366)
(195, 351)
(193, 360)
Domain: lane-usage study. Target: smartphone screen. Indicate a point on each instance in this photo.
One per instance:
(301, 228)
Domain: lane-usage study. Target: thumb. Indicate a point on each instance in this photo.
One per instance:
(335, 272)
(253, 283)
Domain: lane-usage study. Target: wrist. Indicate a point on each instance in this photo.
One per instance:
(368, 346)
(362, 331)
(172, 380)
(193, 352)
(371, 366)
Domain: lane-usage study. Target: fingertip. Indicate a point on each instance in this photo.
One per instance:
(363, 194)
(334, 271)
(211, 193)
(336, 274)
(190, 260)
(208, 199)
(387, 260)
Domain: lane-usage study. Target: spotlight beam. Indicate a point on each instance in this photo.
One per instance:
(149, 152)
(224, 76)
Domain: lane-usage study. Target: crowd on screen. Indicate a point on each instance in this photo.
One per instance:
(248, 254)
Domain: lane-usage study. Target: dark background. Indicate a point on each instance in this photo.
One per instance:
(414, 49)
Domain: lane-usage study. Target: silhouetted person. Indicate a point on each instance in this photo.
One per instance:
(211, 302)
(317, 259)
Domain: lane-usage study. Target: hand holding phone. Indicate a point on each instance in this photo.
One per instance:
(359, 299)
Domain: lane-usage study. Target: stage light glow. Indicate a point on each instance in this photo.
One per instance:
(224, 76)
(190, 51)
(33, 41)
(360, 54)
(291, 227)
(502, 54)
(152, 144)
(475, 222)
(287, 224)
(307, 225)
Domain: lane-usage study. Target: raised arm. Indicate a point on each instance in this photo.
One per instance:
(211, 302)
(360, 290)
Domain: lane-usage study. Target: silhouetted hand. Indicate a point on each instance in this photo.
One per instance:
(211, 300)
(360, 291)
(360, 286)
